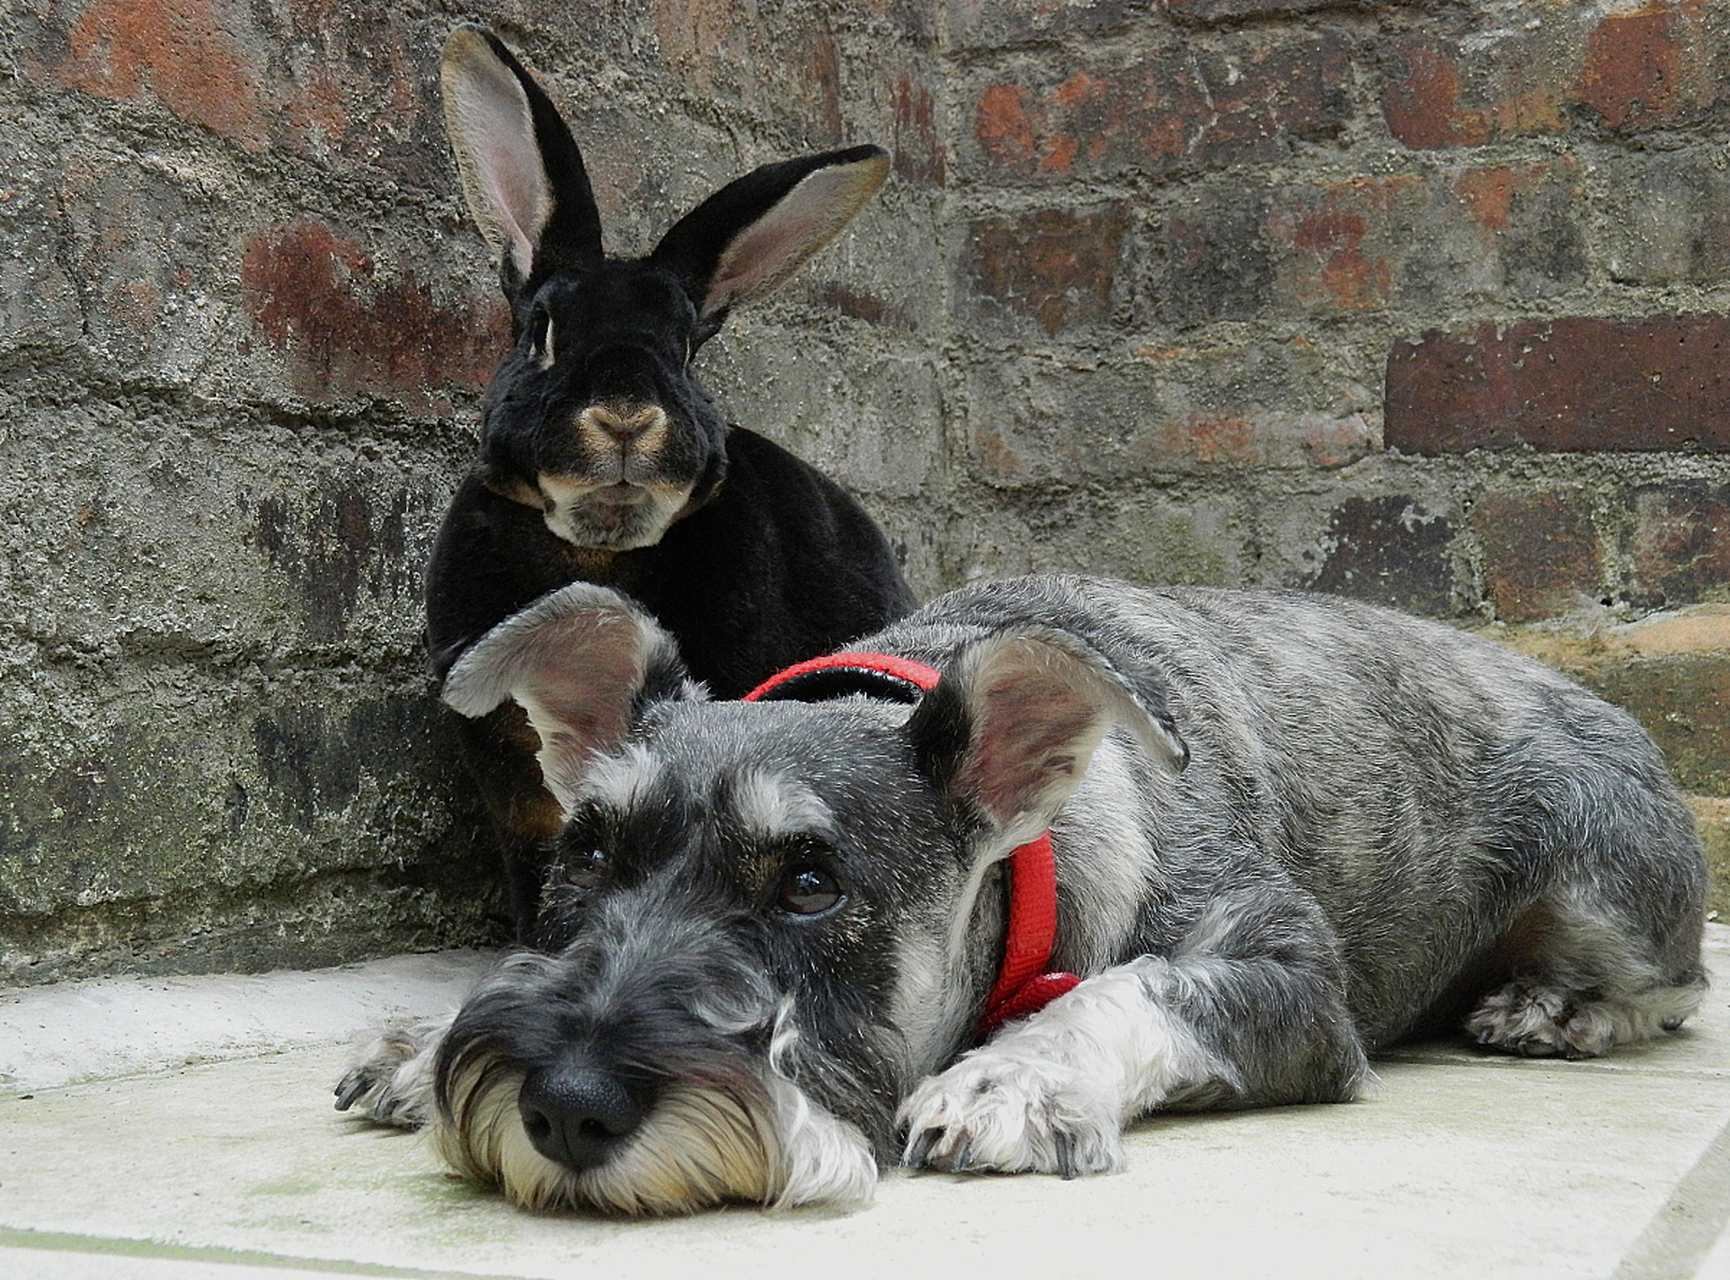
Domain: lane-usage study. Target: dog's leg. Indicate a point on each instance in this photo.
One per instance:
(391, 1080)
(1201, 1029)
(1610, 952)
(1584, 981)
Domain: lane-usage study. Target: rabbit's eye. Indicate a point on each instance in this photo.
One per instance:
(540, 335)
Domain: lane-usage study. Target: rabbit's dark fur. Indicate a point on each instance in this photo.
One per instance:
(602, 460)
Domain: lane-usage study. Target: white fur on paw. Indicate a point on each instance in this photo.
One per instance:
(391, 1080)
(992, 1110)
(1541, 1022)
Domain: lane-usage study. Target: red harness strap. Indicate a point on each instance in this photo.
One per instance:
(1023, 985)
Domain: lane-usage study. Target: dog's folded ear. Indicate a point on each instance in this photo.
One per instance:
(1013, 724)
(753, 233)
(579, 661)
(523, 175)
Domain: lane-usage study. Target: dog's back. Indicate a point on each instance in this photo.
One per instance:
(1459, 812)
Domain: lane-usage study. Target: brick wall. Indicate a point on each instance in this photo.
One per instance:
(1415, 301)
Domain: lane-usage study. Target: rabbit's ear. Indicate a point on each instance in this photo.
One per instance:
(753, 233)
(522, 172)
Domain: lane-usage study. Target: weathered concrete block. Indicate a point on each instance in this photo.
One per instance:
(1672, 217)
(1678, 549)
(993, 24)
(1479, 79)
(1159, 111)
(1141, 534)
(1050, 419)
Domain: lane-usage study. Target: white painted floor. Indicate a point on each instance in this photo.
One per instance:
(169, 1128)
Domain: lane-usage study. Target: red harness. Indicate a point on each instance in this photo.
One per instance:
(1024, 985)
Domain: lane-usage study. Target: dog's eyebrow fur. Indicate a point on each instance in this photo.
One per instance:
(623, 781)
(772, 806)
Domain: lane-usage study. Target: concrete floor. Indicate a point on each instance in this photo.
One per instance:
(183, 1128)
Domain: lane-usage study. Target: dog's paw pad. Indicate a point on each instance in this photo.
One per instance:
(1011, 1118)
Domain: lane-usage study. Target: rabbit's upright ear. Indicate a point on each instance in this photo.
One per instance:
(753, 233)
(522, 172)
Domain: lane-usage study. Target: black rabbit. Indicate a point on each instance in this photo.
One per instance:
(602, 460)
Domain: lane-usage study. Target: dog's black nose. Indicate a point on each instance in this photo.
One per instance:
(577, 1116)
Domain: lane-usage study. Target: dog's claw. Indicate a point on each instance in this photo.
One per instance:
(348, 1089)
(1065, 1155)
(920, 1147)
(962, 1160)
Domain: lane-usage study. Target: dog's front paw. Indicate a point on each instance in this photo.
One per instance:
(993, 1110)
(391, 1080)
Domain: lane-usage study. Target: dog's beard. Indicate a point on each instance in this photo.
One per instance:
(745, 1107)
(760, 1140)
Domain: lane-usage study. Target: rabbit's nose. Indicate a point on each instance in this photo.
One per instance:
(626, 427)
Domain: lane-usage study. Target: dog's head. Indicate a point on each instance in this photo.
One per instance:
(759, 923)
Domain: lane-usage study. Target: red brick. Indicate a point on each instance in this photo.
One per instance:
(1533, 217)
(1628, 71)
(1055, 266)
(316, 296)
(1541, 552)
(308, 78)
(1571, 384)
(1436, 96)
(1634, 68)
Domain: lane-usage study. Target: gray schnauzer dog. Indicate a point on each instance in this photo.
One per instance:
(1284, 832)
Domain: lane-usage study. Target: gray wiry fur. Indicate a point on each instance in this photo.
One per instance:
(1289, 831)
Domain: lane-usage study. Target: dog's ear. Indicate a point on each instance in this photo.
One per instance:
(523, 176)
(579, 661)
(1012, 725)
(746, 239)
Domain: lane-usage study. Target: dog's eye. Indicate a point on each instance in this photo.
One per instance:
(584, 868)
(808, 891)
